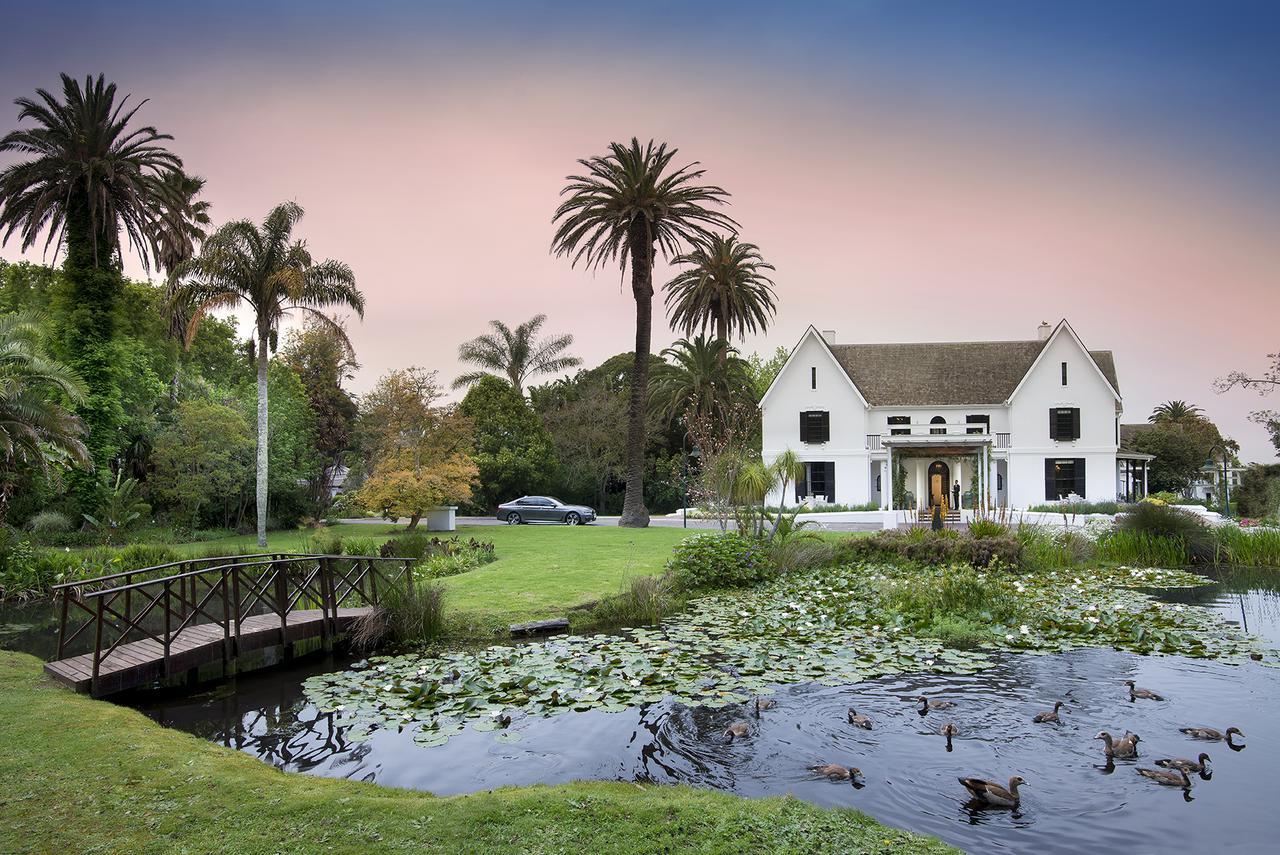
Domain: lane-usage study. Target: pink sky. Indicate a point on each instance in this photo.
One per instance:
(888, 219)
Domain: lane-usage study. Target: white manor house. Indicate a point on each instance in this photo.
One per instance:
(1001, 424)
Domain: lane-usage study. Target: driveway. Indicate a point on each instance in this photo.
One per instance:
(666, 522)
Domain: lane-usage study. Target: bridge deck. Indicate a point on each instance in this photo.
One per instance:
(140, 663)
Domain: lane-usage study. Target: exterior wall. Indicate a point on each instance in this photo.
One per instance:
(1042, 390)
(878, 418)
(792, 394)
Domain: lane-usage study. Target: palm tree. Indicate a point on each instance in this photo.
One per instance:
(725, 289)
(629, 205)
(515, 354)
(274, 274)
(35, 430)
(177, 231)
(1175, 411)
(89, 173)
(703, 377)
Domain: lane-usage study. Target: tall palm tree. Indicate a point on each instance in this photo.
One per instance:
(515, 354)
(724, 289)
(177, 232)
(275, 274)
(90, 172)
(34, 428)
(702, 378)
(1175, 411)
(627, 206)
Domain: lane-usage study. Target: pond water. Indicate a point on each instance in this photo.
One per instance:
(1074, 801)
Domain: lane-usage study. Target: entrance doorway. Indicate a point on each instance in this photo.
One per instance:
(939, 483)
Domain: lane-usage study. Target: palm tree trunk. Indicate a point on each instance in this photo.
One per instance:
(634, 513)
(262, 435)
(721, 334)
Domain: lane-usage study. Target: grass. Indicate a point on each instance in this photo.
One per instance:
(88, 776)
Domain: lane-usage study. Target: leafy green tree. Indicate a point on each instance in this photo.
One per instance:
(203, 464)
(36, 432)
(1175, 411)
(290, 444)
(513, 452)
(628, 206)
(515, 354)
(275, 274)
(1259, 491)
(763, 371)
(91, 172)
(324, 361)
(724, 290)
(1179, 455)
(701, 378)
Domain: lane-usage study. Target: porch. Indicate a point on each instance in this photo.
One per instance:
(953, 471)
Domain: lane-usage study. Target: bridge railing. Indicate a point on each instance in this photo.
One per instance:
(221, 592)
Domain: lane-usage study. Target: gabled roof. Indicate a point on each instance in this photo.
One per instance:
(946, 373)
(811, 331)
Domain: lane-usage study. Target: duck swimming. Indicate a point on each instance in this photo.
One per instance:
(1045, 717)
(1208, 733)
(926, 705)
(836, 772)
(1124, 747)
(991, 793)
(1200, 764)
(858, 720)
(764, 704)
(1145, 694)
(737, 729)
(1167, 777)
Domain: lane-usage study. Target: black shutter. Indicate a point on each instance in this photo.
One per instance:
(831, 481)
(1075, 425)
(1053, 423)
(1050, 489)
(804, 427)
(802, 483)
(1079, 485)
(825, 433)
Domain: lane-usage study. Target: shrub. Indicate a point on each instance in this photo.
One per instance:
(1142, 549)
(139, 555)
(49, 522)
(454, 556)
(930, 548)
(20, 576)
(414, 544)
(801, 553)
(403, 617)
(960, 602)
(1077, 508)
(362, 546)
(1252, 547)
(1176, 525)
(643, 601)
(323, 542)
(987, 528)
(718, 560)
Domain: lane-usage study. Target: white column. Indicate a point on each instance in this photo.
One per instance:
(920, 491)
(886, 494)
(957, 475)
(1146, 464)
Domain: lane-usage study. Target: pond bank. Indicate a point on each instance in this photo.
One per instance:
(91, 776)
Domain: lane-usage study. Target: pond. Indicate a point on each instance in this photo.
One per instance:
(1074, 801)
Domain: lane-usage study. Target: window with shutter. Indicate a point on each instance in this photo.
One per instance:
(804, 427)
(1064, 423)
(802, 483)
(831, 481)
(978, 424)
(1062, 477)
(815, 426)
(1079, 487)
(905, 425)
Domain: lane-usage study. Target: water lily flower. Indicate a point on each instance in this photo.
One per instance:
(1008, 637)
(875, 628)
(928, 661)
(1091, 608)
(382, 667)
(1025, 630)
(1091, 619)
(1177, 608)
(635, 682)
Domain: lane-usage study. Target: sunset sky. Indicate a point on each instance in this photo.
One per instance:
(915, 170)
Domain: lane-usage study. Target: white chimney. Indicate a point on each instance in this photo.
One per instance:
(1044, 331)
(829, 335)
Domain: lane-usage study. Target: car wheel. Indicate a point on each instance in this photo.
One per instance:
(513, 518)
(572, 519)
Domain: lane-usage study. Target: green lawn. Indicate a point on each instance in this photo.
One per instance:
(542, 571)
(87, 776)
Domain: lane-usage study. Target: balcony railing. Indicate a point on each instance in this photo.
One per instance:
(875, 441)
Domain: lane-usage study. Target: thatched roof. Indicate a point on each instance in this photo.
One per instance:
(942, 373)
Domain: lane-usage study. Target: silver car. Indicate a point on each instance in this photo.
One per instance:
(528, 509)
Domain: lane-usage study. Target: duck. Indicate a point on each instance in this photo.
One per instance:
(1125, 746)
(989, 792)
(858, 720)
(765, 704)
(737, 729)
(836, 772)
(1200, 764)
(949, 730)
(1145, 694)
(1167, 777)
(1211, 734)
(1044, 717)
(926, 704)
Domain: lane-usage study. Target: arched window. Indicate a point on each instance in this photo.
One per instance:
(938, 420)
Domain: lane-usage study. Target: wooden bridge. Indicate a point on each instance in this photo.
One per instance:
(170, 621)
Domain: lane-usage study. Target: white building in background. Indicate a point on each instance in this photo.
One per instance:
(1003, 423)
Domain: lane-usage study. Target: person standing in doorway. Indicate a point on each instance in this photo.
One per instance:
(955, 495)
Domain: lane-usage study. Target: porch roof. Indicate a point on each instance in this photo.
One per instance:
(937, 445)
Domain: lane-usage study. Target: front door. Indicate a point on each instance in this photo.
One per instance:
(939, 481)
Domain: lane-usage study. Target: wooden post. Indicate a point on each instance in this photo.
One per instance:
(62, 622)
(326, 630)
(97, 651)
(168, 610)
(282, 591)
(228, 660)
(235, 607)
(373, 583)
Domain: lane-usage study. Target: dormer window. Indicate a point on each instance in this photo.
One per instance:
(938, 420)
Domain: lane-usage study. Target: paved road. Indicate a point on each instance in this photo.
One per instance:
(663, 521)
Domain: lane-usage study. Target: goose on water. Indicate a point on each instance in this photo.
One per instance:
(1045, 717)
(836, 772)
(1124, 747)
(991, 793)
(858, 720)
(736, 730)
(1200, 764)
(1167, 777)
(1145, 694)
(1210, 734)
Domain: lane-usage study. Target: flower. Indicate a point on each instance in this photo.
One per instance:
(1177, 608)
(635, 682)
(1008, 637)
(382, 667)
(928, 661)
(1024, 629)
(875, 628)
(1091, 619)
